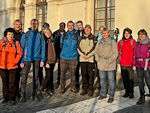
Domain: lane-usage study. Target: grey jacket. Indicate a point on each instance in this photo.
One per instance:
(106, 54)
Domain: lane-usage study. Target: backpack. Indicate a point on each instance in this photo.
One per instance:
(27, 36)
(14, 43)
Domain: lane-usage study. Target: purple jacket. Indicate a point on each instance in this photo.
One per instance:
(141, 51)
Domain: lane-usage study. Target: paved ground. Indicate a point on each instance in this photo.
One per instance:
(70, 102)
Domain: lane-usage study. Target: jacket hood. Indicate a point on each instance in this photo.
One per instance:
(144, 41)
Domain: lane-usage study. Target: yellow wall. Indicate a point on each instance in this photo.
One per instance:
(134, 14)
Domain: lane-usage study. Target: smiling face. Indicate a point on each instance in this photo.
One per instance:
(70, 26)
(87, 31)
(127, 35)
(47, 33)
(80, 26)
(141, 36)
(17, 26)
(10, 35)
(105, 34)
(34, 25)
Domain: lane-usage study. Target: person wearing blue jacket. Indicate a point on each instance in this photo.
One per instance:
(33, 47)
(69, 56)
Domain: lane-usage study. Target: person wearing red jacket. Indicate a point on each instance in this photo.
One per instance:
(125, 48)
(10, 55)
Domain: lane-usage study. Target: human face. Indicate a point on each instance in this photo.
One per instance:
(70, 26)
(62, 27)
(48, 34)
(17, 26)
(142, 36)
(87, 31)
(101, 30)
(127, 35)
(34, 25)
(105, 34)
(10, 35)
(80, 26)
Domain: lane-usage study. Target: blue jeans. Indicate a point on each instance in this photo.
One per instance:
(110, 75)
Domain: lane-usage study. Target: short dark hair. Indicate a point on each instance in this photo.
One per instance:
(142, 31)
(34, 20)
(62, 23)
(45, 25)
(127, 30)
(89, 26)
(70, 21)
(9, 30)
(17, 20)
(79, 21)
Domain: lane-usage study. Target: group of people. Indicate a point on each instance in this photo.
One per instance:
(71, 49)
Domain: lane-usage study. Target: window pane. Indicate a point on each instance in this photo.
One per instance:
(100, 14)
(100, 3)
(99, 23)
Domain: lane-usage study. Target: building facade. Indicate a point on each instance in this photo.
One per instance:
(111, 13)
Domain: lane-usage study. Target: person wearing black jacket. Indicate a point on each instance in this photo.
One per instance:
(17, 35)
(81, 33)
(56, 38)
(44, 26)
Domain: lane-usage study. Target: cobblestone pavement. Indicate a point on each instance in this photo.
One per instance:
(68, 102)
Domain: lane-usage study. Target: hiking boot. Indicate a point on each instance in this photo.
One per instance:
(35, 98)
(131, 95)
(83, 92)
(141, 100)
(110, 100)
(101, 97)
(22, 99)
(61, 91)
(12, 103)
(4, 101)
(125, 95)
(73, 90)
(90, 93)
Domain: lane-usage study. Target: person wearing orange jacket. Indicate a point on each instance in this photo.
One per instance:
(10, 55)
(125, 49)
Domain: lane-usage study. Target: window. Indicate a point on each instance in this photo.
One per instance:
(104, 14)
(41, 12)
(22, 12)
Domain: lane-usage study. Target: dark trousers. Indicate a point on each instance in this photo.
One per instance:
(128, 78)
(59, 72)
(87, 71)
(35, 80)
(9, 84)
(18, 75)
(48, 81)
(40, 75)
(72, 66)
(141, 75)
(77, 75)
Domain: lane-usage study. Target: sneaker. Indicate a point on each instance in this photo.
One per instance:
(22, 99)
(90, 93)
(141, 100)
(83, 92)
(101, 97)
(4, 101)
(110, 100)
